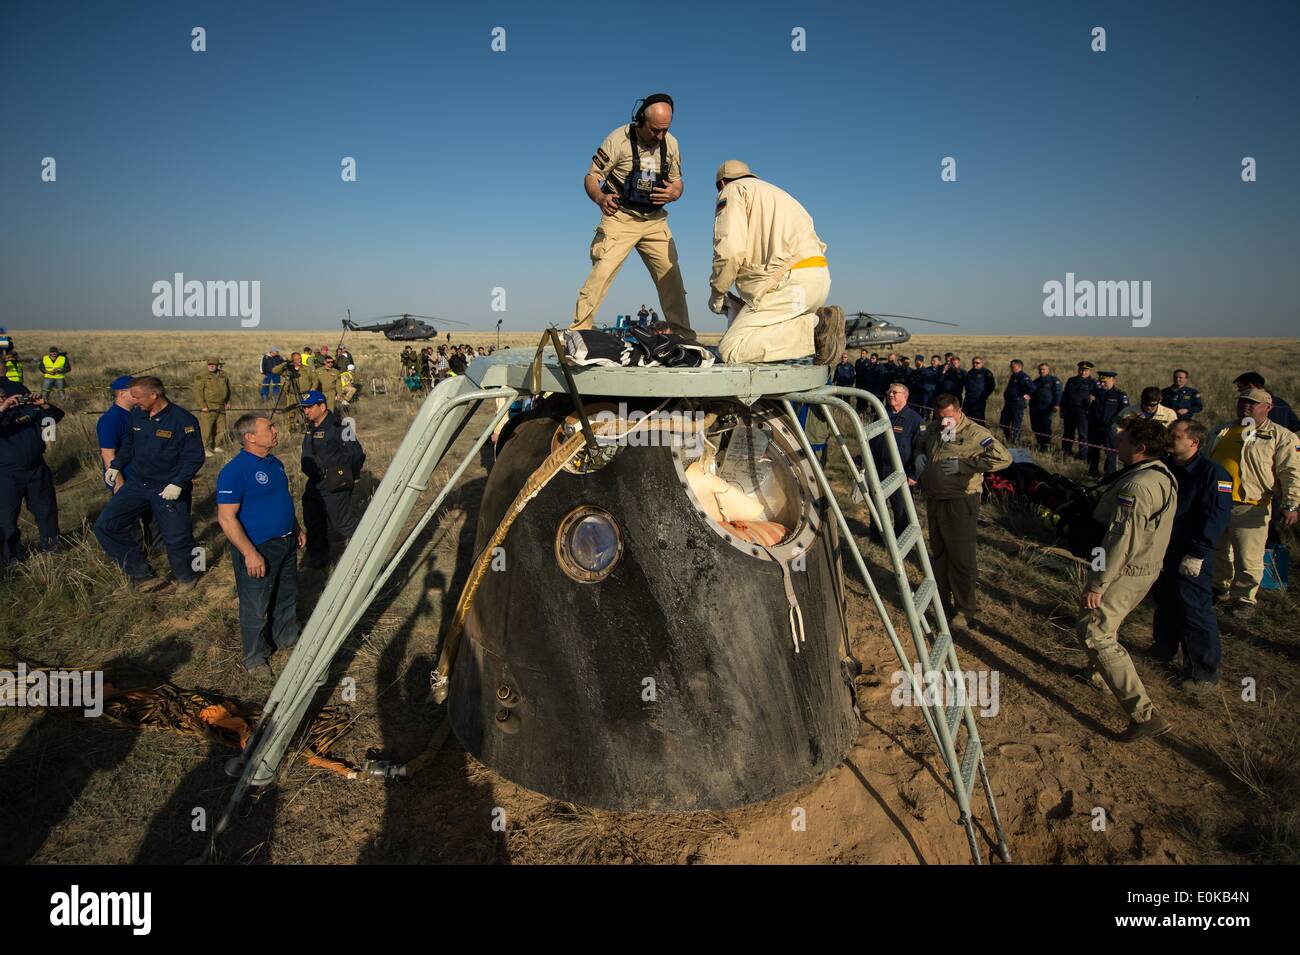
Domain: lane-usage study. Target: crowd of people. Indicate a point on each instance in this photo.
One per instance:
(150, 451)
(424, 369)
(1184, 514)
(1184, 511)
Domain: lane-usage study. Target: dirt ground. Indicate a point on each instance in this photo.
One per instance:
(1221, 788)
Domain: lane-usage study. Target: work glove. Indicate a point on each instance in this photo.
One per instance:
(950, 465)
(110, 477)
(718, 303)
(1190, 566)
(170, 492)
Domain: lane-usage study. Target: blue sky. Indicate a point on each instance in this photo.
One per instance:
(225, 164)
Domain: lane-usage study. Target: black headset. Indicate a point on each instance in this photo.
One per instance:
(638, 117)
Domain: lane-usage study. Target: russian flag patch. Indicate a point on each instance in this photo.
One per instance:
(1125, 500)
(987, 442)
(1225, 486)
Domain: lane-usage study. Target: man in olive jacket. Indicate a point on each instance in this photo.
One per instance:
(959, 453)
(1138, 511)
(212, 396)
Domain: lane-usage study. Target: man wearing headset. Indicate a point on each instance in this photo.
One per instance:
(634, 174)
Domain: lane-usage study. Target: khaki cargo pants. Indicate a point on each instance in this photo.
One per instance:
(1239, 556)
(615, 237)
(1098, 631)
(954, 525)
(779, 325)
(212, 425)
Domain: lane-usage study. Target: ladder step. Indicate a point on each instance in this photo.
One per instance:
(939, 652)
(922, 596)
(876, 428)
(952, 716)
(892, 483)
(907, 540)
(969, 765)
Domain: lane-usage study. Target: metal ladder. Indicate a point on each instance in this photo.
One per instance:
(931, 638)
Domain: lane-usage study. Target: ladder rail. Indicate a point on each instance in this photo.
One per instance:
(829, 493)
(363, 570)
(944, 722)
(937, 714)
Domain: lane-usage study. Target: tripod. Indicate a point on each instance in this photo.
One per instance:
(292, 409)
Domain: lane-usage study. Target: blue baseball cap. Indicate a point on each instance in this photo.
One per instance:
(312, 398)
(121, 383)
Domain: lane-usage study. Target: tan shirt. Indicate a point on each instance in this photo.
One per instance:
(1166, 416)
(612, 162)
(759, 231)
(976, 450)
(326, 381)
(212, 390)
(1138, 510)
(1269, 465)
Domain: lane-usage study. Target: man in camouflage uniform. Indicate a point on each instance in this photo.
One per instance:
(212, 395)
(325, 379)
(958, 454)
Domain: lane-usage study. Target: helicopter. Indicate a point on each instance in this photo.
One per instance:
(869, 330)
(401, 328)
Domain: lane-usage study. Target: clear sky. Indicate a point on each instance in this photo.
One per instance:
(1122, 165)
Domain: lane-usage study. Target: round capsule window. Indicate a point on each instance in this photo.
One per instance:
(588, 544)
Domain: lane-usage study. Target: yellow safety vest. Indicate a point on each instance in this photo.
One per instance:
(14, 370)
(1227, 454)
(56, 368)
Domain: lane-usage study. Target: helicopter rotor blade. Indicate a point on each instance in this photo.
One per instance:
(405, 315)
(913, 318)
(908, 318)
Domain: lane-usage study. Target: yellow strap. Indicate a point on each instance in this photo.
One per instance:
(813, 262)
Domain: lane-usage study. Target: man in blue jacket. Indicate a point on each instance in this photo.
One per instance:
(24, 476)
(864, 376)
(953, 381)
(1014, 397)
(1184, 617)
(980, 385)
(926, 387)
(270, 377)
(1077, 395)
(905, 426)
(1044, 403)
(1103, 416)
(1182, 397)
(164, 448)
(844, 373)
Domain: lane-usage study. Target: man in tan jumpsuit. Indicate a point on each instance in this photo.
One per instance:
(212, 395)
(959, 453)
(1138, 510)
(1263, 460)
(764, 242)
(325, 379)
(636, 172)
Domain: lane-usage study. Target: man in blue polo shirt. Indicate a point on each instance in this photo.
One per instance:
(112, 426)
(255, 510)
(163, 448)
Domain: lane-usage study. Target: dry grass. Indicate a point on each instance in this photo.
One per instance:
(128, 796)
